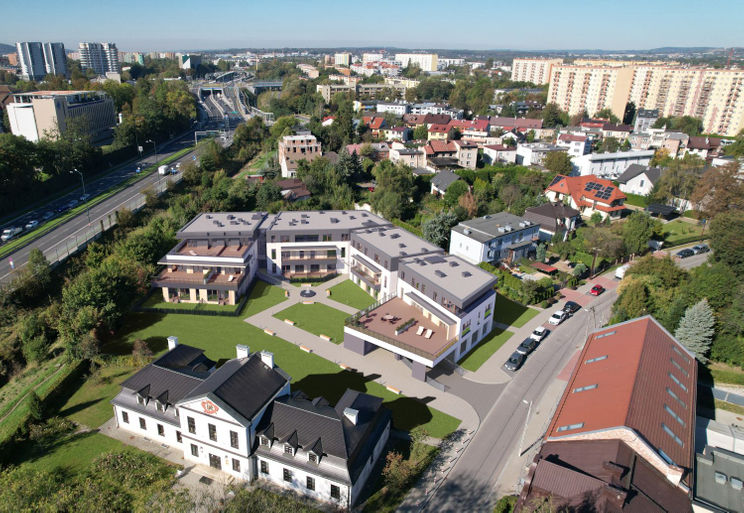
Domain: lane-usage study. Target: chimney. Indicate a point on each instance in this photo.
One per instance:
(242, 351)
(172, 343)
(352, 415)
(268, 359)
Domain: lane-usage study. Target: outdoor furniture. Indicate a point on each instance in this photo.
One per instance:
(420, 330)
(386, 317)
(428, 333)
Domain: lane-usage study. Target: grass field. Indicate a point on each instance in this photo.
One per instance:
(678, 230)
(726, 374)
(71, 452)
(261, 297)
(350, 294)
(509, 312)
(485, 349)
(256, 165)
(636, 200)
(317, 318)
(311, 373)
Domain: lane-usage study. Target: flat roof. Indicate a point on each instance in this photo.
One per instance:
(396, 242)
(314, 220)
(459, 278)
(619, 155)
(487, 227)
(222, 224)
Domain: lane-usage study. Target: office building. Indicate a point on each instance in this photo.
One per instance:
(425, 61)
(40, 114)
(100, 57)
(38, 60)
(494, 237)
(536, 71)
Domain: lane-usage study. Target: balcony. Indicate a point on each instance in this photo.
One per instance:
(370, 279)
(170, 277)
(301, 256)
(217, 251)
(308, 275)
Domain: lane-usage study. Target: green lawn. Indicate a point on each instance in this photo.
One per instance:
(678, 230)
(512, 313)
(726, 374)
(311, 373)
(256, 165)
(348, 293)
(636, 200)
(72, 452)
(261, 297)
(317, 319)
(485, 349)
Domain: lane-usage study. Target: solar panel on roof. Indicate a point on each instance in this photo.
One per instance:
(555, 181)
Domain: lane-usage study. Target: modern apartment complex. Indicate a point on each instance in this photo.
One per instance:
(42, 114)
(100, 57)
(243, 420)
(610, 165)
(293, 148)
(425, 61)
(536, 71)
(38, 60)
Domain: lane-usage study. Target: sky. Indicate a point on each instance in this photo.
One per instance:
(136, 25)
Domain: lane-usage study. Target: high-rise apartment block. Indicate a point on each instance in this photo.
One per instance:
(100, 57)
(711, 95)
(40, 59)
(425, 61)
(536, 71)
(342, 59)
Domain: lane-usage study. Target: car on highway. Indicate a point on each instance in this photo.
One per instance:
(527, 346)
(596, 290)
(33, 223)
(558, 317)
(539, 333)
(514, 362)
(47, 215)
(61, 209)
(571, 307)
(685, 253)
(11, 232)
(700, 248)
(84, 197)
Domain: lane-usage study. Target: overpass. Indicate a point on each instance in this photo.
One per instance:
(259, 87)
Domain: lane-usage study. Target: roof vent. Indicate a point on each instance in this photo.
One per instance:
(440, 273)
(467, 231)
(466, 274)
(508, 228)
(395, 236)
(268, 359)
(209, 216)
(352, 415)
(452, 263)
(334, 220)
(230, 217)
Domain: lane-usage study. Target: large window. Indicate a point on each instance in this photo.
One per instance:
(233, 439)
(143, 425)
(161, 430)
(194, 450)
(287, 475)
(191, 424)
(236, 465)
(264, 467)
(335, 492)
(179, 438)
(125, 417)
(310, 484)
(212, 432)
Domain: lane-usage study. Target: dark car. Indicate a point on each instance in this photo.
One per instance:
(514, 362)
(685, 253)
(571, 307)
(527, 346)
(700, 248)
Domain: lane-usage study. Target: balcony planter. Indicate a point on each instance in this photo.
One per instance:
(403, 327)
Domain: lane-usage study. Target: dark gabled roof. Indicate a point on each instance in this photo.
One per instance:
(444, 179)
(633, 170)
(553, 210)
(246, 385)
(153, 381)
(186, 359)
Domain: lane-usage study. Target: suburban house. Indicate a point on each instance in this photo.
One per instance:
(378, 150)
(493, 237)
(413, 157)
(587, 194)
(438, 132)
(493, 153)
(375, 124)
(522, 125)
(293, 148)
(472, 130)
(610, 165)
(704, 146)
(242, 420)
(576, 145)
(375, 255)
(442, 308)
(293, 189)
(214, 261)
(442, 180)
(639, 179)
(645, 119)
(619, 132)
(553, 218)
(397, 133)
(622, 438)
(533, 154)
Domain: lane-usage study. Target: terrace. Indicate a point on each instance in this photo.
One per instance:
(172, 276)
(217, 250)
(385, 321)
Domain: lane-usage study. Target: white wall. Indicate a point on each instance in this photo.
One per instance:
(22, 121)
(151, 425)
(480, 326)
(638, 185)
(342, 264)
(467, 248)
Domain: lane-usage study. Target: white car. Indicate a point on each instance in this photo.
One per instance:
(9, 233)
(540, 333)
(558, 317)
(32, 224)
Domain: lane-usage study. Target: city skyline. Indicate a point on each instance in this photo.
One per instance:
(497, 25)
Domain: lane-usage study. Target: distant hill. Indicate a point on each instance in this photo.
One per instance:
(7, 48)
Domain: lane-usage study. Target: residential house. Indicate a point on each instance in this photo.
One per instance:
(639, 179)
(610, 165)
(414, 120)
(442, 180)
(493, 153)
(553, 218)
(458, 153)
(576, 145)
(704, 146)
(622, 435)
(494, 237)
(293, 189)
(533, 154)
(588, 194)
(436, 119)
(620, 132)
(379, 150)
(471, 130)
(375, 124)
(521, 125)
(438, 132)
(413, 157)
(293, 148)
(645, 119)
(397, 133)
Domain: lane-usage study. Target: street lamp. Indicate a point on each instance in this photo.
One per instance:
(524, 430)
(154, 148)
(87, 209)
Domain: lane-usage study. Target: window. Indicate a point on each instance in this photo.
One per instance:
(212, 432)
(265, 441)
(736, 483)
(179, 438)
(236, 465)
(679, 352)
(233, 439)
(335, 492)
(720, 478)
(192, 425)
(571, 426)
(161, 430)
(310, 483)
(140, 400)
(287, 475)
(125, 417)
(264, 467)
(160, 406)
(312, 457)
(273, 254)
(288, 449)
(143, 425)
(674, 415)
(683, 371)
(676, 380)
(669, 432)
(194, 450)
(680, 401)
(605, 334)
(598, 358)
(343, 252)
(587, 387)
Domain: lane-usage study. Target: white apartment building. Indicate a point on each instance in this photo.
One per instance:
(576, 145)
(412, 157)
(342, 59)
(533, 154)
(536, 71)
(425, 61)
(293, 148)
(493, 237)
(396, 108)
(38, 60)
(100, 57)
(372, 57)
(576, 89)
(610, 165)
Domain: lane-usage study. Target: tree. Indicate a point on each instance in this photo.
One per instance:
(530, 137)
(637, 230)
(468, 202)
(553, 116)
(608, 115)
(633, 300)
(580, 269)
(696, 329)
(558, 162)
(540, 253)
(720, 189)
(687, 124)
(267, 194)
(454, 191)
(609, 144)
(397, 471)
(420, 133)
(35, 407)
(596, 218)
(141, 352)
(727, 240)
(679, 180)
(437, 229)
(629, 114)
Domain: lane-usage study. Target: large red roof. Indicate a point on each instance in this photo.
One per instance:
(599, 196)
(478, 125)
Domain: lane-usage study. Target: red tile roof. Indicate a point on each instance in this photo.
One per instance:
(572, 137)
(414, 119)
(438, 146)
(439, 129)
(373, 122)
(478, 125)
(437, 119)
(518, 123)
(576, 187)
(500, 147)
(703, 143)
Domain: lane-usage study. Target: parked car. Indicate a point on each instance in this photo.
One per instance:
(558, 317)
(47, 215)
(527, 346)
(84, 197)
(61, 209)
(597, 290)
(700, 248)
(11, 232)
(540, 333)
(514, 362)
(571, 307)
(685, 253)
(33, 223)
(620, 271)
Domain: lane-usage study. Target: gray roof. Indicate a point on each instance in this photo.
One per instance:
(314, 220)
(486, 228)
(222, 224)
(444, 179)
(647, 113)
(245, 384)
(729, 466)
(396, 242)
(653, 173)
(553, 210)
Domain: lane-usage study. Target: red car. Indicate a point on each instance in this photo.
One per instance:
(597, 290)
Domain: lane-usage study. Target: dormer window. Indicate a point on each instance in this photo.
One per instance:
(160, 406)
(140, 400)
(288, 449)
(312, 457)
(265, 441)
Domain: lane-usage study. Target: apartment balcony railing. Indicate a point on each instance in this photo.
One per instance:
(291, 257)
(371, 280)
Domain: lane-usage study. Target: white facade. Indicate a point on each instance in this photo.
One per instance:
(492, 250)
(610, 165)
(23, 121)
(425, 61)
(342, 59)
(639, 184)
(576, 146)
(393, 108)
(100, 57)
(533, 154)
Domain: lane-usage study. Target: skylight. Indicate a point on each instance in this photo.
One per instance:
(683, 371)
(669, 432)
(676, 380)
(596, 359)
(571, 426)
(680, 401)
(605, 334)
(587, 387)
(674, 415)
